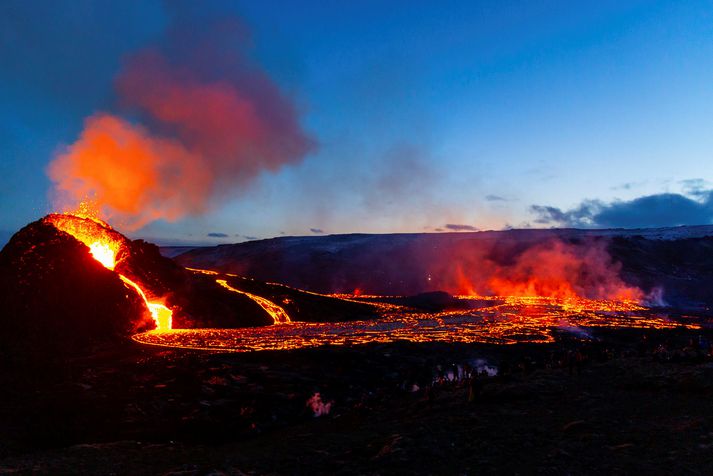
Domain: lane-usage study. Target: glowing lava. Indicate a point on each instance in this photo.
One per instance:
(104, 253)
(279, 315)
(106, 246)
(162, 316)
(490, 319)
(494, 320)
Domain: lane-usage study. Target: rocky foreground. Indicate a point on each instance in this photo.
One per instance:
(627, 401)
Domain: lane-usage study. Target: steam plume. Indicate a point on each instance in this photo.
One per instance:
(208, 122)
(552, 268)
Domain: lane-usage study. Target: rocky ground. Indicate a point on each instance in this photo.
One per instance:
(627, 402)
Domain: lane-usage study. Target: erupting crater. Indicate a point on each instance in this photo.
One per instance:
(110, 248)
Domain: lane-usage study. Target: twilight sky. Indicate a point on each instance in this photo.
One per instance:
(408, 116)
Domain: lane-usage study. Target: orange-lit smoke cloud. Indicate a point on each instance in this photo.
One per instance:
(206, 123)
(136, 176)
(553, 268)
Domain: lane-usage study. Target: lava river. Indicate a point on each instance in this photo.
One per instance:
(492, 319)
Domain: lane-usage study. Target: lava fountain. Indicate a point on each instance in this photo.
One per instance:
(109, 248)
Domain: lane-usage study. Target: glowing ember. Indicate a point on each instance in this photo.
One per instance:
(106, 246)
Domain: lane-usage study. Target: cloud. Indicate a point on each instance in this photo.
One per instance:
(206, 122)
(697, 187)
(629, 185)
(217, 235)
(658, 210)
(495, 198)
(317, 231)
(457, 227)
(580, 216)
(247, 237)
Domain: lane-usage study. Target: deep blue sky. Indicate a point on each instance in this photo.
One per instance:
(426, 113)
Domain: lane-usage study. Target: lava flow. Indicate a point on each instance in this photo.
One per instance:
(485, 319)
(279, 315)
(108, 247)
(490, 319)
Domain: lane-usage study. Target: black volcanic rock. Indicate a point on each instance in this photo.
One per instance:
(57, 299)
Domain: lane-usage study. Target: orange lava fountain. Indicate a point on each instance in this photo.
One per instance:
(106, 246)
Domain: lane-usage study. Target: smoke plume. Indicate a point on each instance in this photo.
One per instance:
(205, 123)
(551, 268)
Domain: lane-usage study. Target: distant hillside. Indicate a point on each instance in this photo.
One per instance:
(678, 260)
(173, 251)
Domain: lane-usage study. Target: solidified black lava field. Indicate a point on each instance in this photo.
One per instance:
(626, 401)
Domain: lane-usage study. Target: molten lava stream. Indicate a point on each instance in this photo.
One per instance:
(279, 315)
(162, 316)
(104, 253)
(104, 248)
